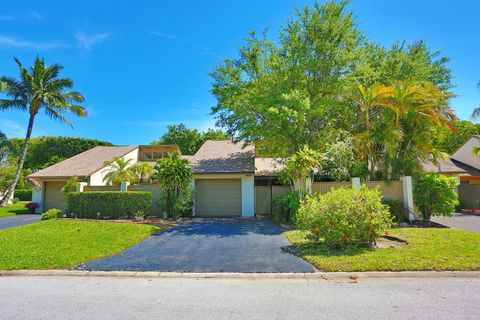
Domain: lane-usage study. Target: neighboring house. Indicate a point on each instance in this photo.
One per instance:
(470, 163)
(225, 175)
(90, 166)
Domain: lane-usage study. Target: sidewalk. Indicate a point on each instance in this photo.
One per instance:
(251, 276)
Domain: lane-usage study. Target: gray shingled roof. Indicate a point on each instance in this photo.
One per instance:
(442, 166)
(83, 164)
(223, 156)
(268, 166)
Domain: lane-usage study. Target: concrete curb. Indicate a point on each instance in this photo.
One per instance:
(250, 276)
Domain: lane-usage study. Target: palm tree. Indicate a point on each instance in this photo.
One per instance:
(120, 170)
(144, 170)
(423, 109)
(300, 169)
(38, 87)
(370, 104)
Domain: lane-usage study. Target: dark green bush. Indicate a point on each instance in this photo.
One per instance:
(285, 207)
(396, 209)
(108, 204)
(52, 214)
(23, 194)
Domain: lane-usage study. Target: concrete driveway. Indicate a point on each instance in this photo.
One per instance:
(211, 245)
(20, 220)
(460, 221)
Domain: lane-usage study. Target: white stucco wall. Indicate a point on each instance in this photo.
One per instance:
(96, 179)
(464, 154)
(248, 196)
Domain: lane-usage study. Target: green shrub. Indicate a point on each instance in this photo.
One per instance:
(108, 204)
(23, 194)
(344, 217)
(182, 204)
(396, 209)
(15, 200)
(52, 214)
(140, 214)
(435, 194)
(286, 206)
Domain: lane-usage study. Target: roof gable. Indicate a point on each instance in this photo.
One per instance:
(223, 156)
(83, 164)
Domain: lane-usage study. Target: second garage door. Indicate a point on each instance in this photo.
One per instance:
(218, 197)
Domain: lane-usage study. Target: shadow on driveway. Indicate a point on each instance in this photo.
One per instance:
(210, 245)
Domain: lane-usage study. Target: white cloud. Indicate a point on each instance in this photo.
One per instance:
(85, 41)
(11, 42)
(203, 49)
(168, 36)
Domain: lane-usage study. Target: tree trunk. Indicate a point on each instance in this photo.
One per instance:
(10, 191)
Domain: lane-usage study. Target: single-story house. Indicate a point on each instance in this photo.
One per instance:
(466, 160)
(225, 175)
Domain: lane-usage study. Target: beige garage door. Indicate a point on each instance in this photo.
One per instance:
(53, 195)
(218, 197)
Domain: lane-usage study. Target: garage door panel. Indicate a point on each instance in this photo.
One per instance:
(218, 197)
(54, 197)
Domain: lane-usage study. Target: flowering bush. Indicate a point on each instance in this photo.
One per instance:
(344, 217)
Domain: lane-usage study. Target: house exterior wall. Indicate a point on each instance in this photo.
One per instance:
(37, 197)
(96, 179)
(464, 153)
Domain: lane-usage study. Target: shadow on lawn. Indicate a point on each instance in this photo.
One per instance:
(315, 248)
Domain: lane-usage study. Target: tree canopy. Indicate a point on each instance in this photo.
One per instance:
(189, 140)
(46, 151)
(285, 94)
(450, 140)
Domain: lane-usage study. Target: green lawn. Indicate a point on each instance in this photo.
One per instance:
(13, 209)
(65, 243)
(427, 249)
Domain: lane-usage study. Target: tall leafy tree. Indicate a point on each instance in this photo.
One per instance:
(283, 95)
(450, 140)
(39, 88)
(189, 140)
(4, 147)
(46, 151)
(288, 93)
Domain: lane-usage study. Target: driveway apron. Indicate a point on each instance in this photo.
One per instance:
(210, 245)
(19, 220)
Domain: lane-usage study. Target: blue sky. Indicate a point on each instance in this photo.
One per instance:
(144, 64)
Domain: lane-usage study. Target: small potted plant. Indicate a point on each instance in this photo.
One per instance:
(31, 206)
(139, 215)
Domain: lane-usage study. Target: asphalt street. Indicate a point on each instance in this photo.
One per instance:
(36, 297)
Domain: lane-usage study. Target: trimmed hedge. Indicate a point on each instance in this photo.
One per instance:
(23, 194)
(108, 204)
